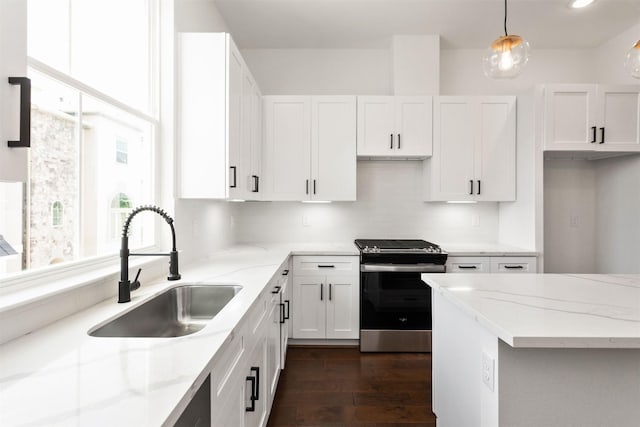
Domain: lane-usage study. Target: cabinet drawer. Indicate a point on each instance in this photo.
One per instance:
(513, 264)
(325, 265)
(468, 264)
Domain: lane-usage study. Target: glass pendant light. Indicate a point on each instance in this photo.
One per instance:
(632, 61)
(507, 55)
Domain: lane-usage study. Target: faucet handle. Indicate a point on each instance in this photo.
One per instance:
(136, 284)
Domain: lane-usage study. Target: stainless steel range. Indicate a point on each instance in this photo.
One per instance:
(395, 304)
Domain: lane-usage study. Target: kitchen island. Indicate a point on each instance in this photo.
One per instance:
(536, 349)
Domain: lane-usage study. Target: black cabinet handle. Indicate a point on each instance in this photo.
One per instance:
(275, 290)
(321, 292)
(330, 286)
(282, 315)
(478, 187)
(235, 177)
(285, 272)
(467, 267)
(326, 266)
(307, 187)
(601, 135)
(398, 141)
(391, 141)
(471, 189)
(25, 111)
(251, 408)
(593, 139)
(514, 267)
(256, 369)
(286, 316)
(314, 186)
(256, 183)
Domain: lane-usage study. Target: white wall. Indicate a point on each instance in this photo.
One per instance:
(618, 215)
(570, 216)
(609, 57)
(389, 205)
(321, 71)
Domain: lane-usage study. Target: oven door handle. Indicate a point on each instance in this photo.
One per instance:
(402, 268)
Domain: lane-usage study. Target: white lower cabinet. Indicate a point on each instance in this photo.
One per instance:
(245, 372)
(326, 297)
(484, 264)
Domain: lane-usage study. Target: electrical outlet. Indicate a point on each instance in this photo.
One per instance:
(305, 220)
(488, 367)
(574, 221)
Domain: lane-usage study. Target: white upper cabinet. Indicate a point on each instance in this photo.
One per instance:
(219, 117)
(309, 148)
(13, 51)
(394, 126)
(588, 117)
(474, 149)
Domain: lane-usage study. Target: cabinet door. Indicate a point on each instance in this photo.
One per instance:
(287, 147)
(13, 51)
(256, 409)
(333, 148)
(618, 118)
(237, 172)
(230, 410)
(203, 167)
(375, 126)
(256, 144)
(569, 117)
(452, 165)
(342, 306)
(308, 314)
(273, 347)
(413, 126)
(495, 170)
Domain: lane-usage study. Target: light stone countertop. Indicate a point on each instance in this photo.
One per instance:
(485, 249)
(61, 376)
(549, 310)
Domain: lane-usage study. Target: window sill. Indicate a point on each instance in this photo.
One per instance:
(36, 299)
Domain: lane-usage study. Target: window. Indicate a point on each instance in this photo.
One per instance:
(93, 71)
(56, 214)
(122, 152)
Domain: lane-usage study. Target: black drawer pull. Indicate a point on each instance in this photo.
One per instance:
(514, 267)
(285, 272)
(286, 316)
(275, 290)
(282, 315)
(467, 267)
(326, 266)
(25, 111)
(251, 408)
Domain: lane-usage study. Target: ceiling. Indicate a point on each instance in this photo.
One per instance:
(331, 24)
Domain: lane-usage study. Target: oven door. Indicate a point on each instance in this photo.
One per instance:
(393, 297)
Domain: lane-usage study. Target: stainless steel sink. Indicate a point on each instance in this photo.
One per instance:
(178, 311)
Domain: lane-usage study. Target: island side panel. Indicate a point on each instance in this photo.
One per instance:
(460, 398)
(569, 387)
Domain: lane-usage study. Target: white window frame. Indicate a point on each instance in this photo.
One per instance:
(98, 265)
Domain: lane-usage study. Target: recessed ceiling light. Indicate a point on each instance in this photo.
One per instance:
(578, 4)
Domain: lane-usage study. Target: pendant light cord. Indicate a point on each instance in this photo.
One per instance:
(505, 18)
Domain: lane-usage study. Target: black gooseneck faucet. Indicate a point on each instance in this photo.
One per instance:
(124, 285)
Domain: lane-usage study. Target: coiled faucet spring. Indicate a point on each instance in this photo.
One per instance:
(124, 285)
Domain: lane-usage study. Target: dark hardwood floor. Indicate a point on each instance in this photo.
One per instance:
(343, 387)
